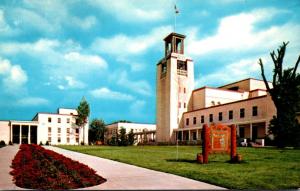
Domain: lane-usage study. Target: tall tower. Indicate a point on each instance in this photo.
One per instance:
(174, 86)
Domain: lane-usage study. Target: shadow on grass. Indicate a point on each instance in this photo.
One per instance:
(210, 161)
(181, 160)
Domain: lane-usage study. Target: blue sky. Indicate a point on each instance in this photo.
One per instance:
(54, 52)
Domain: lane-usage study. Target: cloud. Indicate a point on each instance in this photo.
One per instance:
(135, 10)
(5, 29)
(238, 33)
(122, 45)
(13, 76)
(139, 86)
(86, 59)
(71, 83)
(32, 101)
(137, 107)
(105, 93)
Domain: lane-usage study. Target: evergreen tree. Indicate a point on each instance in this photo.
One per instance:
(97, 128)
(123, 141)
(131, 137)
(286, 97)
(83, 111)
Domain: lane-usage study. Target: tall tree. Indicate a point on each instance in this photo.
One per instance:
(131, 138)
(83, 111)
(97, 127)
(123, 141)
(285, 94)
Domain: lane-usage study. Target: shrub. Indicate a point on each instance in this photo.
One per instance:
(2, 143)
(47, 143)
(37, 168)
(41, 143)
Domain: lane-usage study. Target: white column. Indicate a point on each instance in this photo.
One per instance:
(10, 131)
(197, 131)
(238, 130)
(266, 128)
(250, 131)
(29, 128)
(189, 135)
(20, 138)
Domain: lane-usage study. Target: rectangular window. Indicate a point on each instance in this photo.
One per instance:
(184, 105)
(220, 116)
(254, 111)
(211, 118)
(230, 115)
(184, 90)
(68, 139)
(49, 119)
(58, 139)
(179, 105)
(58, 120)
(77, 140)
(68, 120)
(59, 130)
(187, 121)
(202, 118)
(68, 130)
(242, 113)
(49, 139)
(77, 131)
(194, 120)
(49, 129)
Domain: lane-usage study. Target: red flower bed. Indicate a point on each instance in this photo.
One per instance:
(37, 168)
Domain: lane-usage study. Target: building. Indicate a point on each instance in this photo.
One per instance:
(182, 111)
(142, 132)
(56, 128)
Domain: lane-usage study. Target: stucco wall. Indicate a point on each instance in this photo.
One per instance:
(4, 131)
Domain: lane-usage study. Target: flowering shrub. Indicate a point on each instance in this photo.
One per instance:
(37, 168)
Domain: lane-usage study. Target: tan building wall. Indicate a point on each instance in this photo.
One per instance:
(4, 131)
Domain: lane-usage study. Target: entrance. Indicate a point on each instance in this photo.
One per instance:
(33, 134)
(16, 134)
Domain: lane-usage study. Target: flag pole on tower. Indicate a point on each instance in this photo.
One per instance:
(176, 12)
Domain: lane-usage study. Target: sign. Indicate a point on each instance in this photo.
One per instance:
(220, 139)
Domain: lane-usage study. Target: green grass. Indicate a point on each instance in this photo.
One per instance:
(262, 168)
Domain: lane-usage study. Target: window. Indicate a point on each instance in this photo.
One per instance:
(49, 119)
(164, 67)
(68, 139)
(49, 139)
(230, 115)
(254, 111)
(194, 120)
(59, 130)
(184, 105)
(77, 131)
(187, 121)
(242, 113)
(77, 140)
(220, 116)
(58, 139)
(68, 130)
(58, 120)
(49, 129)
(179, 105)
(211, 118)
(202, 118)
(184, 90)
(68, 120)
(194, 135)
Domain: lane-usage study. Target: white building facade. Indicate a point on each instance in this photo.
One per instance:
(54, 128)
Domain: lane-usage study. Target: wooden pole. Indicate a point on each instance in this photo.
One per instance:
(233, 143)
(205, 146)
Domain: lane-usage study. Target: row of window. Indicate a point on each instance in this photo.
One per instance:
(58, 120)
(59, 130)
(179, 105)
(59, 139)
(220, 117)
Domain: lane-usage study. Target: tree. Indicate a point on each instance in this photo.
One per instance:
(286, 97)
(97, 129)
(123, 141)
(131, 137)
(83, 111)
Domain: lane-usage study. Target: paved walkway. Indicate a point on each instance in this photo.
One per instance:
(119, 175)
(124, 176)
(7, 154)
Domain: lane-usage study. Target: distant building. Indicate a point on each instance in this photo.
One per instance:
(142, 132)
(182, 111)
(56, 128)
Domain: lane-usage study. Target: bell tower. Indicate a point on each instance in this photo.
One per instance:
(174, 86)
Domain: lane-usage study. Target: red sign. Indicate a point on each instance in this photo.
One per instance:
(219, 139)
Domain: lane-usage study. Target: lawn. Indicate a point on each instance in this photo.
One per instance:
(262, 168)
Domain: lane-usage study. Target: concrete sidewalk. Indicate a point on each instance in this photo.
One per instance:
(7, 154)
(124, 176)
